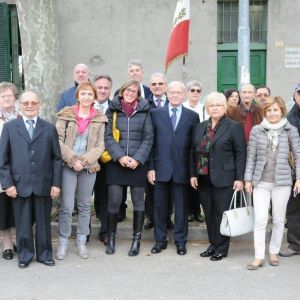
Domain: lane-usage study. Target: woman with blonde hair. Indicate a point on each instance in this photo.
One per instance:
(268, 175)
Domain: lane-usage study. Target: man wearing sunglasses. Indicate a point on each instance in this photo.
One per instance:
(293, 207)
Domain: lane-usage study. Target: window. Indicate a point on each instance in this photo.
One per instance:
(228, 21)
(11, 67)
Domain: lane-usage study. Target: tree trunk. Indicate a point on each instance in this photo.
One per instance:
(41, 52)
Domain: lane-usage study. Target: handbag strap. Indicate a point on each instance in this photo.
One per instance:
(233, 200)
(114, 123)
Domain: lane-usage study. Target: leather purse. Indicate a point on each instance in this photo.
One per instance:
(237, 221)
(106, 157)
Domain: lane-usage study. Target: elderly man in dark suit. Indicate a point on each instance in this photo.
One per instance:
(30, 173)
(173, 127)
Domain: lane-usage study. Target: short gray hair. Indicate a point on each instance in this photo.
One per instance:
(193, 83)
(157, 74)
(135, 62)
(8, 85)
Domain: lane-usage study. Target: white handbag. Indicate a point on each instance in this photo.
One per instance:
(237, 221)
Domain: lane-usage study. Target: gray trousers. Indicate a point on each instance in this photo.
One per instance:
(82, 183)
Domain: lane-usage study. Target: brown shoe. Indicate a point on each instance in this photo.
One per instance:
(274, 260)
(256, 264)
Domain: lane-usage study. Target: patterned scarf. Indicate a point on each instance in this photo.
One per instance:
(6, 116)
(273, 131)
(129, 108)
(204, 146)
(83, 123)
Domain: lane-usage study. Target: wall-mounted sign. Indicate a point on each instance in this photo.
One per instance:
(292, 57)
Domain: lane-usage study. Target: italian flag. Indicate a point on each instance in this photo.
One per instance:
(179, 40)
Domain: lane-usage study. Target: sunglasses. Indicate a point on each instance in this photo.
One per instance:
(195, 90)
(157, 83)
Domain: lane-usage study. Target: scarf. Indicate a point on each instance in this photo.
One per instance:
(273, 131)
(83, 123)
(129, 108)
(204, 146)
(6, 116)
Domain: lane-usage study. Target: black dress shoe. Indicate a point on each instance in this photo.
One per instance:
(158, 247)
(149, 225)
(103, 238)
(48, 262)
(207, 253)
(8, 254)
(217, 256)
(23, 264)
(181, 249)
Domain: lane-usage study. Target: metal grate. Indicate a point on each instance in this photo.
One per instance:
(228, 21)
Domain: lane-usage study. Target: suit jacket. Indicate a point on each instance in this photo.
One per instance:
(33, 166)
(227, 153)
(67, 98)
(170, 155)
(146, 89)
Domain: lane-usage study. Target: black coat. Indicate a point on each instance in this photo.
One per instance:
(227, 154)
(135, 141)
(294, 117)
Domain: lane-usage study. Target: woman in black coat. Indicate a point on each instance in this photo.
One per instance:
(130, 155)
(218, 158)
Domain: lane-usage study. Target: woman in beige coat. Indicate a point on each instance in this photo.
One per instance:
(81, 137)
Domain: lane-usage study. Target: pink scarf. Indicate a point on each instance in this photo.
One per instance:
(82, 123)
(129, 108)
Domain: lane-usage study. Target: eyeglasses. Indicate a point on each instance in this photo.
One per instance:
(262, 95)
(175, 93)
(3, 97)
(218, 105)
(195, 90)
(157, 83)
(30, 103)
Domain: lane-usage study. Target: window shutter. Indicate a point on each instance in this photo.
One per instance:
(4, 43)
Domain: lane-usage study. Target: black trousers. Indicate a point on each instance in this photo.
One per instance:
(27, 211)
(293, 222)
(215, 201)
(163, 191)
(149, 203)
(194, 202)
(101, 199)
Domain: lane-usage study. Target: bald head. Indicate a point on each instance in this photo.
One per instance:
(30, 104)
(247, 94)
(176, 93)
(81, 73)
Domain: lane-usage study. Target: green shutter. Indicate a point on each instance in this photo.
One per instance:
(4, 43)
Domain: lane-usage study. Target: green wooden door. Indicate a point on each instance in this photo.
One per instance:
(4, 43)
(228, 69)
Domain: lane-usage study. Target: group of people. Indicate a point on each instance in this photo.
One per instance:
(173, 150)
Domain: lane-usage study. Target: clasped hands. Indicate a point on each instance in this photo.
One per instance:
(128, 162)
(12, 192)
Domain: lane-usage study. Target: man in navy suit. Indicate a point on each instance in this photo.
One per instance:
(30, 173)
(67, 98)
(173, 127)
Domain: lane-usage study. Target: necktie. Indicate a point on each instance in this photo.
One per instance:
(158, 103)
(30, 128)
(174, 118)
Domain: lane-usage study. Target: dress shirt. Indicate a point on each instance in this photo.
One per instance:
(199, 109)
(101, 106)
(163, 100)
(26, 124)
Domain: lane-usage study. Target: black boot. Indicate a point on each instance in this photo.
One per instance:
(112, 220)
(138, 221)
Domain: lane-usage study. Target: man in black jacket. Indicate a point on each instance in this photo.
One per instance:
(293, 208)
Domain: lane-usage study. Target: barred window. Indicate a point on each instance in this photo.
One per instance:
(228, 21)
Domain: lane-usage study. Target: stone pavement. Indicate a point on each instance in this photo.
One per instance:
(151, 276)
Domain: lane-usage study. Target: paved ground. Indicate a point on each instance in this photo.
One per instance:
(147, 276)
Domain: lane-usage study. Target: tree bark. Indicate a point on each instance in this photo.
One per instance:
(41, 52)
